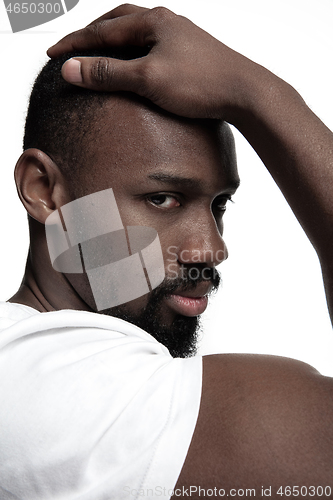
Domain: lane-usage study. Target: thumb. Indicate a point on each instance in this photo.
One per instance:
(105, 74)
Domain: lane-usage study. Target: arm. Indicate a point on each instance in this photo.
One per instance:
(263, 421)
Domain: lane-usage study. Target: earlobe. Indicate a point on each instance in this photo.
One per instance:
(40, 184)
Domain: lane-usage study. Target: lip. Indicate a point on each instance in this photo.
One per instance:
(188, 306)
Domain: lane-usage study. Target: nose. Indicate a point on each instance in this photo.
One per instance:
(202, 243)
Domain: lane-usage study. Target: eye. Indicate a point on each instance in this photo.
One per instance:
(220, 203)
(163, 200)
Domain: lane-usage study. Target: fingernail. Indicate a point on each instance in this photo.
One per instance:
(71, 71)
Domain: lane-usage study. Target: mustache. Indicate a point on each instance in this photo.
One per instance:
(189, 281)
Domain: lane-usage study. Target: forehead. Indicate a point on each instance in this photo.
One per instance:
(131, 140)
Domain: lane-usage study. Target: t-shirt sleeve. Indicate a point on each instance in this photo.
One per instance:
(94, 414)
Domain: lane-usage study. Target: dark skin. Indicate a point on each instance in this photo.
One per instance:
(263, 421)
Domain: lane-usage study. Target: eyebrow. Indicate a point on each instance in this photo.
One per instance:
(187, 182)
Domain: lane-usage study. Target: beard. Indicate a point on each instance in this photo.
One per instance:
(181, 337)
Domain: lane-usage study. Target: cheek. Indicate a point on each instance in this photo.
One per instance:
(170, 243)
(133, 211)
(140, 213)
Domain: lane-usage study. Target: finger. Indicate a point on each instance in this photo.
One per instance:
(105, 74)
(121, 10)
(127, 30)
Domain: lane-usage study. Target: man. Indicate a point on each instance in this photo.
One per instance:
(264, 424)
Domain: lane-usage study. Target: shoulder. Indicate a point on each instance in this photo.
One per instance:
(262, 420)
(101, 387)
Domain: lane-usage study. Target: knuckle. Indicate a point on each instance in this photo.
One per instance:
(101, 73)
(123, 9)
(159, 20)
(125, 6)
(160, 14)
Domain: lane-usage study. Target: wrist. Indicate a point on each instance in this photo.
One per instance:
(258, 96)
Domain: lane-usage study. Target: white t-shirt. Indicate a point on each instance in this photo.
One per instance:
(91, 408)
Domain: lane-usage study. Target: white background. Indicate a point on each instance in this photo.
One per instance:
(272, 299)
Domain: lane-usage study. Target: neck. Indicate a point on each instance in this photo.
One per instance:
(29, 293)
(42, 287)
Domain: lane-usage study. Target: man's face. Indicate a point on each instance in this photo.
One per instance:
(176, 176)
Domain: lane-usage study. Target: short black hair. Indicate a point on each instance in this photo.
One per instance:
(60, 115)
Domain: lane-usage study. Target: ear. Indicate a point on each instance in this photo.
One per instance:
(40, 184)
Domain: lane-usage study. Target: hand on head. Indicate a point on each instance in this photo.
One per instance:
(187, 71)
